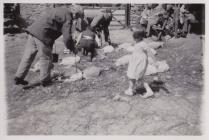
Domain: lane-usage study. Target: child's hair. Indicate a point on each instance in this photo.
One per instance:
(138, 34)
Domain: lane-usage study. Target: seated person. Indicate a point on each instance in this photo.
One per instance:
(161, 26)
(154, 17)
(186, 20)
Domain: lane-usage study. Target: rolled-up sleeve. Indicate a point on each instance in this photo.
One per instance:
(67, 35)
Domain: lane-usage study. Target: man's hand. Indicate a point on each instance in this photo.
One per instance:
(75, 51)
(109, 41)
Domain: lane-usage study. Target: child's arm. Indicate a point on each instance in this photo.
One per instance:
(150, 54)
(123, 60)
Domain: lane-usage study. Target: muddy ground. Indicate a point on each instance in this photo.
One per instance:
(87, 107)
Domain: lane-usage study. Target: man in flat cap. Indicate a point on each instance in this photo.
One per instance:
(100, 22)
(41, 37)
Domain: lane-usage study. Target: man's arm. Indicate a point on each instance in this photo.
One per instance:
(67, 35)
(106, 34)
(106, 31)
(96, 21)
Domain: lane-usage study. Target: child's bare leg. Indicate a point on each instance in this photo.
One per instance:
(129, 91)
(149, 91)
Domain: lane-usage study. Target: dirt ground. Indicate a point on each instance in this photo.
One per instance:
(87, 107)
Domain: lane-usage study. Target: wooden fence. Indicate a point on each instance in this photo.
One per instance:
(121, 13)
(124, 15)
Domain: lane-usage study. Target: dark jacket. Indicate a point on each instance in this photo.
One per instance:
(87, 40)
(88, 35)
(54, 23)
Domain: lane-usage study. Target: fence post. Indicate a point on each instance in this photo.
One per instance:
(127, 14)
(176, 19)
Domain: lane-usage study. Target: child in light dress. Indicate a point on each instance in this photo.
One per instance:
(137, 65)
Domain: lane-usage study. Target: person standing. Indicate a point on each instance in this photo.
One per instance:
(137, 66)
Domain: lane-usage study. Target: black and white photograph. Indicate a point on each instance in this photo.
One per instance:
(132, 69)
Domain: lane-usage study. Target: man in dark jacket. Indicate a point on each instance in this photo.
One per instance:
(41, 37)
(100, 22)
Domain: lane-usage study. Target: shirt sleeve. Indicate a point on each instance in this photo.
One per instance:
(96, 21)
(67, 32)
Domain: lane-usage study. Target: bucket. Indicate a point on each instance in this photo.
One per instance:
(55, 57)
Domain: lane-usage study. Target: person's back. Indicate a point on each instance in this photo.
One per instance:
(90, 15)
(50, 26)
(99, 19)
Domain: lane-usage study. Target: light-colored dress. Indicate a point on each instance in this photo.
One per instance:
(138, 62)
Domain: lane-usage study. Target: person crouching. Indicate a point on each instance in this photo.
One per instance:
(87, 42)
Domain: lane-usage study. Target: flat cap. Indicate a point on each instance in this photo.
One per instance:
(77, 9)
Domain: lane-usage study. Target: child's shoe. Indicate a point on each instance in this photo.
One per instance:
(129, 92)
(149, 92)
